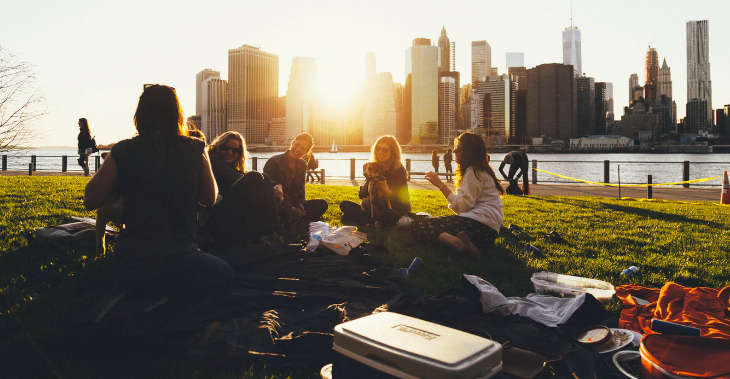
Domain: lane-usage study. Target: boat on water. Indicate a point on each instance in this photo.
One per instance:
(333, 149)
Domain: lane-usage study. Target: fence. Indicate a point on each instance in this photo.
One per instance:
(605, 171)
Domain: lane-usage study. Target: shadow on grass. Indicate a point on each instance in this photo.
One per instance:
(660, 215)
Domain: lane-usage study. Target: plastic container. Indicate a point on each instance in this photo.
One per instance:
(408, 347)
(631, 271)
(568, 285)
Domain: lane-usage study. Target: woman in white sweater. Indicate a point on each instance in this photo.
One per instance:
(476, 202)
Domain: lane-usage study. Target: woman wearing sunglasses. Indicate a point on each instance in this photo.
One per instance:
(247, 210)
(387, 153)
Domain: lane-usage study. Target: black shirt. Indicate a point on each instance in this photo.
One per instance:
(277, 171)
(398, 184)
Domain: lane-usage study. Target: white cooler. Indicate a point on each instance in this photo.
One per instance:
(408, 347)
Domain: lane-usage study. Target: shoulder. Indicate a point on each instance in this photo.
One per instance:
(122, 146)
(193, 144)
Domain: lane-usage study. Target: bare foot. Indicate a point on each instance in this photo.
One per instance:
(469, 246)
(451, 241)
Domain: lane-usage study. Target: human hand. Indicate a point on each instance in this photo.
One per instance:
(434, 179)
(278, 192)
(297, 212)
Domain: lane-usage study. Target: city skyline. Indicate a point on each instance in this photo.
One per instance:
(101, 73)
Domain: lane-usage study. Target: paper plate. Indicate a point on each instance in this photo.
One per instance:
(620, 338)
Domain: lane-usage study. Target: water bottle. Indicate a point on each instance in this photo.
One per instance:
(532, 249)
(415, 264)
(631, 271)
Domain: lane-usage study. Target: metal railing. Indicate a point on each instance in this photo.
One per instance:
(602, 171)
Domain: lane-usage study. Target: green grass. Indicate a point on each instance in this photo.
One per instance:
(685, 242)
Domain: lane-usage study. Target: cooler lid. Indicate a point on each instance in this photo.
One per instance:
(413, 336)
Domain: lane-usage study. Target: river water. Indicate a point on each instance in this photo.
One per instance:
(664, 168)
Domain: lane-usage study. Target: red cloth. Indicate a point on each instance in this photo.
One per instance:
(701, 307)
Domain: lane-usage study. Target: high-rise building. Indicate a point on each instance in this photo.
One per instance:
(519, 76)
(699, 85)
(552, 108)
(214, 114)
(664, 84)
(200, 78)
(571, 49)
(422, 73)
(481, 61)
(300, 95)
(586, 97)
(722, 119)
(447, 109)
(609, 102)
(601, 105)
(515, 60)
(496, 98)
(635, 90)
(444, 51)
(402, 118)
(253, 90)
(379, 114)
(652, 76)
(452, 56)
(696, 116)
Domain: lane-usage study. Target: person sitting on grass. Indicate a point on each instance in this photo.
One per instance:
(476, 201)
(248, 209)
(162, 176)
(387, 153)
(288, 169)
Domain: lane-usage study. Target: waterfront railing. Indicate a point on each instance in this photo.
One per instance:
(541, 171)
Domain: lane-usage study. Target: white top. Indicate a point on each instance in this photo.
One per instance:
(478, 199)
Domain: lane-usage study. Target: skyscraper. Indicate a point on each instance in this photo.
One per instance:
(213, 116)
(635, 90)
(253, 84)
(551, 101)
(652, 76)
(481, 61)
(444, 51)
(300, 95)
(571, 49)
(664, 84)
(515, 60)
(447, 109)
(379, 114)
(422, 71)
(586, 97)
(609, 102)
(496, 99)
(200, 78)
(370, 65)
(601, 106)
(699, 85)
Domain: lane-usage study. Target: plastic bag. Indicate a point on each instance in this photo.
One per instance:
(317, 231)
(343, 239)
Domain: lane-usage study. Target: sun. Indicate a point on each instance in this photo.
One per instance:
(338, 85)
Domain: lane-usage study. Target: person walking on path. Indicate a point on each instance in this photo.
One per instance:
(476, 201)
(288, 169)
(518, 166)
(447, 166)
(435, 161)
(386, 152)
(86, 145)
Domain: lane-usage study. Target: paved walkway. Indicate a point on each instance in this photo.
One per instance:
(664, 193)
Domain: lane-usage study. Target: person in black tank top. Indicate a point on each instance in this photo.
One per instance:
(162, 176)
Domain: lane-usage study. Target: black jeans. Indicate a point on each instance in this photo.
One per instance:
(248, 212)
(353, 214)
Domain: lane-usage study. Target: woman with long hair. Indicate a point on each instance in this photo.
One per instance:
(249, 205)
(476, 202)
(386, 153)
(161, 175)
(86, 145)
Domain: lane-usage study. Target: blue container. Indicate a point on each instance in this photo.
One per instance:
(415, 264)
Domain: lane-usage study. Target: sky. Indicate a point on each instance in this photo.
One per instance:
(92, 57)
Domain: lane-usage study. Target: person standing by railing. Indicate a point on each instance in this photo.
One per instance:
(86, 145)
(435, 161)
(447, 166)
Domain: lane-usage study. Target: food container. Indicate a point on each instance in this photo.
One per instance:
(408, 347)
(567, 285)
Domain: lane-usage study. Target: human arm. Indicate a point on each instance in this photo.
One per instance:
(466, 195)
(501, 169)
(103, 185)
(208, 185)
(434, 179)
(398, 190)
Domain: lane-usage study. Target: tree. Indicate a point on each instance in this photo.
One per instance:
(20, 104)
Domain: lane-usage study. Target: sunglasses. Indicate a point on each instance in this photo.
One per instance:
(382, 148)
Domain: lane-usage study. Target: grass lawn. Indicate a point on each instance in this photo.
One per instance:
(685, 242)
